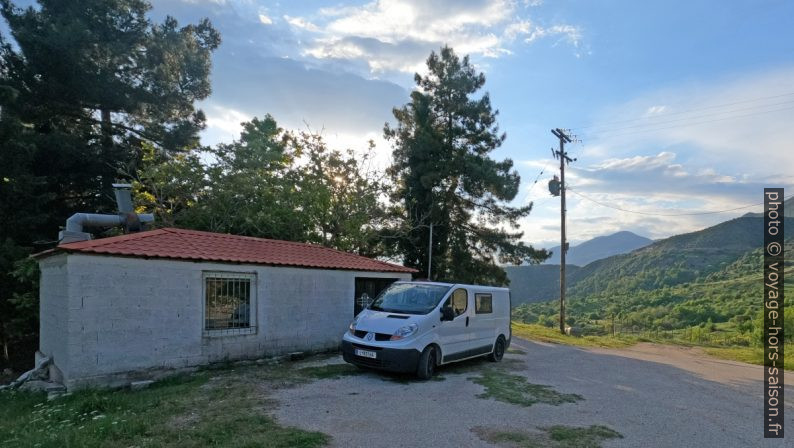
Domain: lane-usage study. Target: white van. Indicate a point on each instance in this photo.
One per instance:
(417, 326)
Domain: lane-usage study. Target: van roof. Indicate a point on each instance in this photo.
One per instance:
(449, 285)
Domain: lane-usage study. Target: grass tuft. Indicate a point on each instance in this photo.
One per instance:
(545, 334)
(557, 436)
(330, 371)
(514, 389)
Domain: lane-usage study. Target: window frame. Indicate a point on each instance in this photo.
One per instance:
(490, 302)
(253, 303)
(452, 301)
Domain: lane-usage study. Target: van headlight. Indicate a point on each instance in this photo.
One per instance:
(404, 332)
(352, 327)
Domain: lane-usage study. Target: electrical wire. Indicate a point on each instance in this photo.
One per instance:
(716, 106)
(666, 214)
(676, 120)
(526, 196)
(683, 125)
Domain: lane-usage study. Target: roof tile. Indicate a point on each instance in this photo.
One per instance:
(182, 244)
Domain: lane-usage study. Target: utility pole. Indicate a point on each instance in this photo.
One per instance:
(430, 254)
(564, 160)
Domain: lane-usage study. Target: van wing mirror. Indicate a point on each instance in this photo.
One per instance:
(447, 313)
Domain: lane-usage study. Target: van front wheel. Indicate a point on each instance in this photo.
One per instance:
(498, 350)
(427, 363)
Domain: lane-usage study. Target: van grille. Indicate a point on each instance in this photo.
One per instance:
(378, 336)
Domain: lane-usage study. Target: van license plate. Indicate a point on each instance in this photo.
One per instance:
(366, 354)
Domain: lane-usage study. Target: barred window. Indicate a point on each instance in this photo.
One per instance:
(229, 303)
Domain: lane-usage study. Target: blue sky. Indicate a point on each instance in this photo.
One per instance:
(681, 106)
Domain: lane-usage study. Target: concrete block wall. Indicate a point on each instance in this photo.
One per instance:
(54, 311)
(123, 316)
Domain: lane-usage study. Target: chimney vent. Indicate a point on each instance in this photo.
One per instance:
(126, 217)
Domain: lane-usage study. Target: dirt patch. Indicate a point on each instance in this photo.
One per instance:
(691, 359)
(184, 421)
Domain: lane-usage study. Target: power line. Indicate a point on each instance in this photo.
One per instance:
(667, 214)
(683, 125)
(716, 106)
(656, 123)
(542, 170)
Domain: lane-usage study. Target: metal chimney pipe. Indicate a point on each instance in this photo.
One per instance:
(123, 197)
(126, 217)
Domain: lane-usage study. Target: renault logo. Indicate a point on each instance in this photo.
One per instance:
(369, 336)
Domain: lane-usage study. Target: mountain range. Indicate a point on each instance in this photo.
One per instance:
(671, 261)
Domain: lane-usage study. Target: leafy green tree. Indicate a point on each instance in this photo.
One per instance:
(270, 183)
(342, 196)
(444, 176)
(168, 186)
(251, 187)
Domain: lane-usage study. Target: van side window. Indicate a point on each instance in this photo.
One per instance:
(483, 303)
(460, 299)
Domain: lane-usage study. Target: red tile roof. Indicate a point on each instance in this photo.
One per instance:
(181, 244)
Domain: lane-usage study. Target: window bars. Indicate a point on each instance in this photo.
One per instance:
(229, 303)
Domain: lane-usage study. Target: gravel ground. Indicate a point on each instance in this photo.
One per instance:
(655, 396)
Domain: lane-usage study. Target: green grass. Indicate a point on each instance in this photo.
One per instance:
(216, 408)
(751, 355)
(330, 371)
(541, 333)
(574, 437)
(501, 385)
(557, 436)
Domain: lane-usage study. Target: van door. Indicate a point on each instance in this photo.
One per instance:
(484, 322)
(454, 335)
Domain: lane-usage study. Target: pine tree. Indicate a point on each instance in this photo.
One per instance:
(444, 176)
(85, 86)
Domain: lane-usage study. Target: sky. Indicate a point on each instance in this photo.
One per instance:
(680, 106)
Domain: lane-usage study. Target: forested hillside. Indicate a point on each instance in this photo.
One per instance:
(536, 283)
(729, 299)
(672, 261)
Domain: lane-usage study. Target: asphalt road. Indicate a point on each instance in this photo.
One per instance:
(655, 396)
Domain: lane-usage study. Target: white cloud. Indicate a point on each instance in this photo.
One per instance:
(657, 191)
(223, 124)
(300, 22)
(397, 35)
(655, 110)
(570, 33)
(265, 19)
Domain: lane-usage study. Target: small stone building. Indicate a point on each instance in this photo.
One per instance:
(127, 308)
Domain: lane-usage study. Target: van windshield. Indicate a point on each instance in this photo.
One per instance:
(409, 298)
